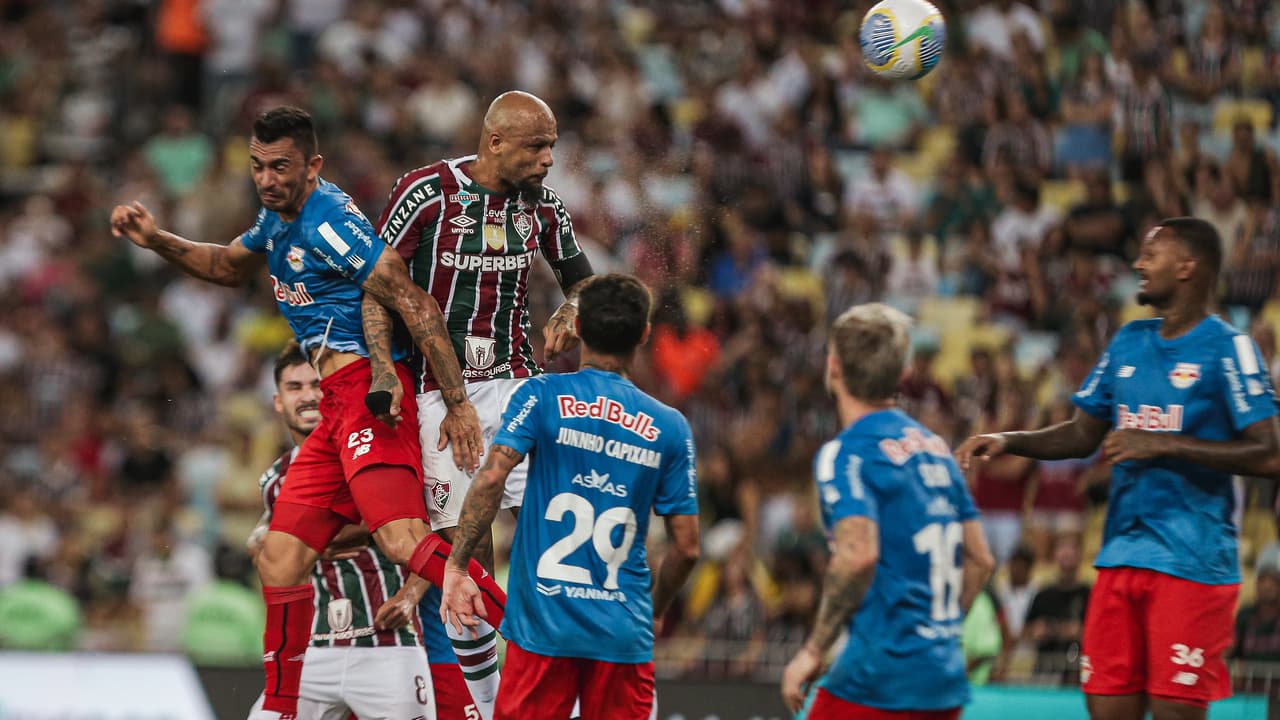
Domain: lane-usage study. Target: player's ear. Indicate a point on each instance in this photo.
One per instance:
(313, 166)
(1187, 267)
(644, 336)
(279, 404)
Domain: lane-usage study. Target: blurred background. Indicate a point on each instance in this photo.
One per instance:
(737, 156)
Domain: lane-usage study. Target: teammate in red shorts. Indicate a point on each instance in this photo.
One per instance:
(323, 256)
(1179, 403)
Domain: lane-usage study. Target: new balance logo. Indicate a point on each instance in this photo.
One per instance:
(1186, 678)
(549, 590)
(1126, 371)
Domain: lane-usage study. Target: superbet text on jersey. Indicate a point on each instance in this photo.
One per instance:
(1211, 383)
(472, 250)
(603, 457)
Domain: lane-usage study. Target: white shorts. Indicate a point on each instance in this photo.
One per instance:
(375, 683)
(446, 485)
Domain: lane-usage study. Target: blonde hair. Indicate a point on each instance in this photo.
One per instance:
(871, 343)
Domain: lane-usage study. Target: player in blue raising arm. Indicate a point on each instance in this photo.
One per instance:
(603, 455)
(1179, 403)
(907, 551)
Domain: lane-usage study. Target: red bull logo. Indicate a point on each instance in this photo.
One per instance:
(611, 411)
(1149, 417)
(1184, 375)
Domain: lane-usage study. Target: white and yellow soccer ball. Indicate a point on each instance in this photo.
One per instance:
(903, 39)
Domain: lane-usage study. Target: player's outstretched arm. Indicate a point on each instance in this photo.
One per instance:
(1256, 452)
(389, 283)
(230, 264)
(461, 603)
(385, 390)
(683, 549)
(855, 552)
(979, 563)
(559, 335)
(1075, 438)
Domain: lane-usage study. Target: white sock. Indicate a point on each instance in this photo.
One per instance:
(478, 658)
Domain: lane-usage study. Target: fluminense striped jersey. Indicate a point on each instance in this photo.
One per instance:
(348, 592)
(472, 250)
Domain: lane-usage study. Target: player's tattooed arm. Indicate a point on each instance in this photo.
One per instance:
(389, 283)
(855, 551)
(1255, 453)
(378, 330)
(231, 264)
(560, 334)
(481, 504)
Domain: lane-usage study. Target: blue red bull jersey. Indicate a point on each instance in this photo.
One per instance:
(904, 641)
(1211, 383)
(602, 456)
(318, 263)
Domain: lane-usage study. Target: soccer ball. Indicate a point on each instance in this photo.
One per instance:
(902, 38)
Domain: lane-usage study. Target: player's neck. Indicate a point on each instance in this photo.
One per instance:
(292, 214)
(851, 409)
(484, 174)
(1180, 318)
(605, 363)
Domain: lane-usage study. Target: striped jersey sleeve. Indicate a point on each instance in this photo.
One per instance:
(413, 207)
(556, 238)
(272, 478)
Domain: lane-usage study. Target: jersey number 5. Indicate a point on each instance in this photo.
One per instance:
(946, 574)
(586, 526)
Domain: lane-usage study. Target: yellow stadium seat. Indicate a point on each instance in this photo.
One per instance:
(1253, 66)
(1062, 194)
(1227, 111)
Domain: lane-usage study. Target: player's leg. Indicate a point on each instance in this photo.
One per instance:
(453, 700)
(302, 524)
(616, 691)
(320, 695)
(389, 683)
(1191, 626)
(537, 687)
(1113, 661)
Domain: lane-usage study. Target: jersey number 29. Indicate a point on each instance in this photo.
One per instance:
(586, 526)
(946, 574)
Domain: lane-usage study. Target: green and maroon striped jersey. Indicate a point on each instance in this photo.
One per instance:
(348, 592)
(472, 250)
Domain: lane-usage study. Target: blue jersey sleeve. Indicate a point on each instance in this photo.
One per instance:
(839, 471)
(347, 243)
(1095, 396)
(1248, 384)
(678, 487)
(255, 238)
(520, 418)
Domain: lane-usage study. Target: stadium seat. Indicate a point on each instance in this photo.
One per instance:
(1061, 195)
(1228, 110)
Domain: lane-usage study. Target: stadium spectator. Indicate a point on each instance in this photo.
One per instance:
(1055, 619)
(1257, 636)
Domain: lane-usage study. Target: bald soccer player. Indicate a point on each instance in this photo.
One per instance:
(469, 229)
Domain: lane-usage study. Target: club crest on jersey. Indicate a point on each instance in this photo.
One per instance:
(1184, 375)
(440, 494)
(464, 198)
(351, 208)
(523, 224)
(480, 352)
(295, 257)
(339, 614)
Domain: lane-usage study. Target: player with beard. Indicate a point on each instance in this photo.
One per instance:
(366, 657)
(470, 229)
(1180, 403)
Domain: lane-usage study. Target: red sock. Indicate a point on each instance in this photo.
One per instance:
(289, 611)
(428, 562)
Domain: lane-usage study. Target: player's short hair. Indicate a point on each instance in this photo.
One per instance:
(613, 311)
(871, 343)
(289, 356)
(288, 122)
(1201, 239)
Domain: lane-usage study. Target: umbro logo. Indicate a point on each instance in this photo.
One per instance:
(464, 221)
(1126, 371)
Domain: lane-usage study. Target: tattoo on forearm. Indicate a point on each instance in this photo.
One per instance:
(842, 594)
(426, 326)
(377, 337)
(481, 505)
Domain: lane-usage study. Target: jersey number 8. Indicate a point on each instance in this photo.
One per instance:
(586, 526)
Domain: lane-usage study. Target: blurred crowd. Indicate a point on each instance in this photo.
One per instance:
(736, 154)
